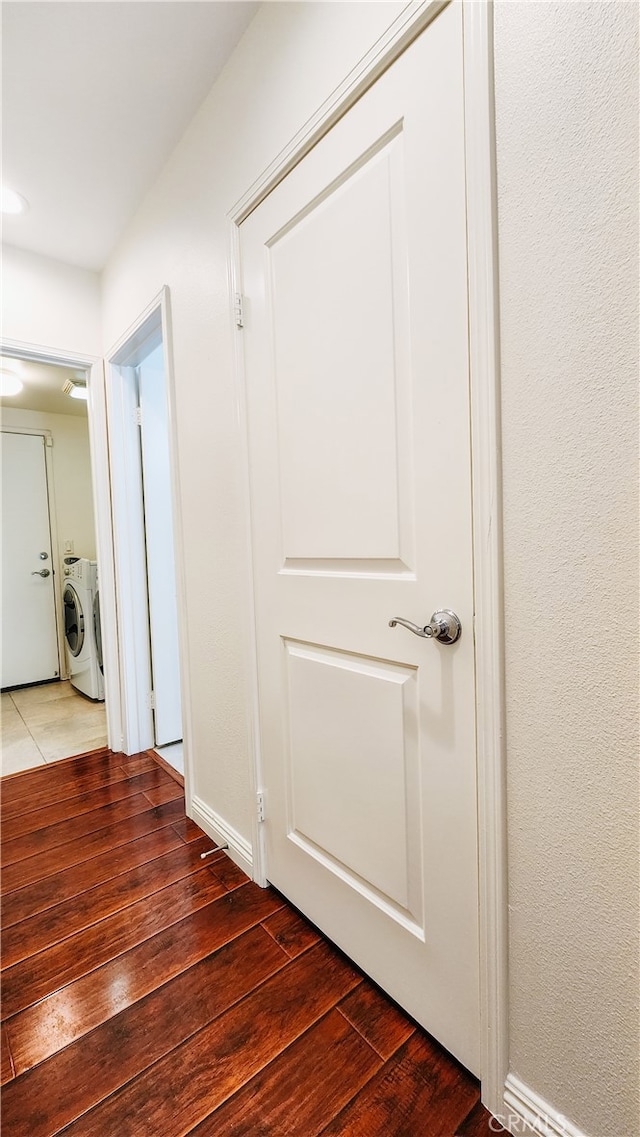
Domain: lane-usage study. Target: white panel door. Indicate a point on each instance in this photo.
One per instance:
(29, 635)
(161, 569)
(355, 276)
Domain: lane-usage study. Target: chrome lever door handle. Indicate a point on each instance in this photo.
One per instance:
(426, 633)
(41, 572)
(444, 626)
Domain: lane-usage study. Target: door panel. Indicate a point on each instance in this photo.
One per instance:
(357, 371)
(353, 770)
(29, 634)
(344, 447)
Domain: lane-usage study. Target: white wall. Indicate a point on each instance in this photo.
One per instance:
(50, 304)
(567, 127)
(564, 86)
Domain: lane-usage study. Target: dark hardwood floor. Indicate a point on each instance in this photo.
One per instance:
(146, 991)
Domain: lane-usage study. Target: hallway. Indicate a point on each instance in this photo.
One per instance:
(148, 991)
(47, 722)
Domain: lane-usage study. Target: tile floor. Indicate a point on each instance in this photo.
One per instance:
(45, 723)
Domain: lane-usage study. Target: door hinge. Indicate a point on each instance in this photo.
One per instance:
(238, 309)
(152, 700)
(260, 805)
(137, 416)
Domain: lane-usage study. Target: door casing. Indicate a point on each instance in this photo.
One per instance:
(94, 369)
(126, 692)
(151, 328)
(486, 479)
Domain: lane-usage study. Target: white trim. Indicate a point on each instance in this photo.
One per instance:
(527, 1113)
(102, 511)
(43, 431)
(37, 353)
(179, 547)
(101, 480)
(482, 229)
(129, 560)
(412, 20)
(249, 629)
(223, 833)
(140, 332)
(487, 547)
(63, 670)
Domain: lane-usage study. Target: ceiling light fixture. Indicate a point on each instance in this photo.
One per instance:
(75, 390)
(9, 383)
(12, 202)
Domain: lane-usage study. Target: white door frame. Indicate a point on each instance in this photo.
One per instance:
(486, 478)
(122, 432)
(96, 409)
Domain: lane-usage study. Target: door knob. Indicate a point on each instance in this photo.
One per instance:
(41, 572)
(444, 626)
(44, 556)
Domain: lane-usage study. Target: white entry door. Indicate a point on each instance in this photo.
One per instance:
(355, 276)
(29, 635)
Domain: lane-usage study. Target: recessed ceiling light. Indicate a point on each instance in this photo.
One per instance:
(9, 382)
(12, 202)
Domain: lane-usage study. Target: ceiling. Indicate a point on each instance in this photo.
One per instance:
(95, 97)
(42, 389)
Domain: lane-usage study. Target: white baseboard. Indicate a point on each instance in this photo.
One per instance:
(526, 1113)
(223, 834)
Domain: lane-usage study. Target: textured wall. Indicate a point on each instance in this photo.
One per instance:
(566, 86)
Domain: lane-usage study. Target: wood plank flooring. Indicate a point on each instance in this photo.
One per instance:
(146, 991)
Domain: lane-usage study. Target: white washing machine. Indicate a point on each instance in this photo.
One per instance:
(78, 594)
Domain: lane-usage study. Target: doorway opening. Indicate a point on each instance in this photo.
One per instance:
(52, 672)
(144, 506)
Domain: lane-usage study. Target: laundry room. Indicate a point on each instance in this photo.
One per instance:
(52, 681)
